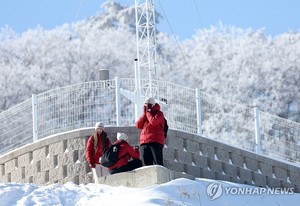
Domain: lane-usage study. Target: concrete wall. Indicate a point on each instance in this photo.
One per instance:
(61, 158)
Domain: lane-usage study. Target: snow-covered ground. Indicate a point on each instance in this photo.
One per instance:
(177, 192)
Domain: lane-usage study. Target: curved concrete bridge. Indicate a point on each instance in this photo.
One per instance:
(61, 158)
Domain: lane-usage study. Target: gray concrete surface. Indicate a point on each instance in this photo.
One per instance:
(143, 177)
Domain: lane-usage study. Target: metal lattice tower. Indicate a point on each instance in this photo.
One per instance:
(146, 44)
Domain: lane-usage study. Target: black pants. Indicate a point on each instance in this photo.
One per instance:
(131, 165)
(152, 153)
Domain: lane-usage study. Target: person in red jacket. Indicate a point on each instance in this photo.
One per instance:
(96, 144)
(152, 138)
(126, 152)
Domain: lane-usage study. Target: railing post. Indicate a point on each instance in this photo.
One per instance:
(34, 118)
(118, 102)
(198, 109)
(137, 106)
(257, 130)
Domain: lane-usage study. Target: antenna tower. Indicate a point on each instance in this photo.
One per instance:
(146, 44)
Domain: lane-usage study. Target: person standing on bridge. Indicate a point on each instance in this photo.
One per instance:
(96, 144)
(152, 138)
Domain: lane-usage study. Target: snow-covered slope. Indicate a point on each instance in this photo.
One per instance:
(183, 192)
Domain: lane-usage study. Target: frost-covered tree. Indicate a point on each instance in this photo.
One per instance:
(40, 60)
(243, 66)
(240, 65)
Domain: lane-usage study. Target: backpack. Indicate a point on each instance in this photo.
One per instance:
(110, 155)
(166, 127)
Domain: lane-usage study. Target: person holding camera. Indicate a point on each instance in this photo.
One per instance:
(152, 135)
(125, 153)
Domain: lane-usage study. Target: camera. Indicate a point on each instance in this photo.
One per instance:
(149, 107)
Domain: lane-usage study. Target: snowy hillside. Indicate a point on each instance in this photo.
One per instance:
(241, 65)
(181, 192)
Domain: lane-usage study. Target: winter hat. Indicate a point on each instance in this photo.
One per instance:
(122, 136)
(150, 100)
(99, 125)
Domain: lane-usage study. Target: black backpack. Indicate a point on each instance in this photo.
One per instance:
(166, 127)
(110, 155)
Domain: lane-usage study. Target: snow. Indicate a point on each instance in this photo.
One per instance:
(176, 192)
(262, 76)
(241, 65)
(230, 55)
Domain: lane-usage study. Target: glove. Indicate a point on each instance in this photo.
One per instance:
(92, 165)
(145, 108)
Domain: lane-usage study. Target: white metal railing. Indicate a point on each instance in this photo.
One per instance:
(190, 110)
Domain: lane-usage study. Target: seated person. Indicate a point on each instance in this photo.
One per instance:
(126, 152)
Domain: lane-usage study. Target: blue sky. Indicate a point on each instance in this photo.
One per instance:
(184, 16)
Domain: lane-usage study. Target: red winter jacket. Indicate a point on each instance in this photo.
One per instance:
(152, 126)
(124, 154)
(91, 155)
